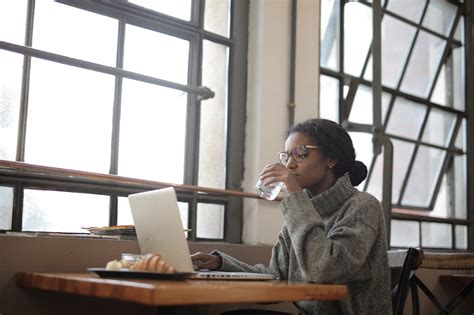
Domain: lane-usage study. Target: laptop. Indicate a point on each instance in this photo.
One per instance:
(159, 230)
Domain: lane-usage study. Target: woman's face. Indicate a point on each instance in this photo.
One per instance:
(314, 172)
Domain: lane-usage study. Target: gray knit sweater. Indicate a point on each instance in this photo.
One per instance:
(336, 237)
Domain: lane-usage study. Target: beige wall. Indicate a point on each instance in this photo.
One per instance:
(268, 97)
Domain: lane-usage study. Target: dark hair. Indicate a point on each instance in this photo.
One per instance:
(336, 143)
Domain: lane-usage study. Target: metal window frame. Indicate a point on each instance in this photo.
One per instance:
(380, 136)
(194, 32)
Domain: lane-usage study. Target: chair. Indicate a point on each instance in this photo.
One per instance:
(403, 264)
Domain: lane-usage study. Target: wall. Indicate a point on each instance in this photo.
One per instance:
(268, 97)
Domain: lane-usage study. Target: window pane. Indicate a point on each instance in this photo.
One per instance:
(212, 138)
(362, 107)
(330, 15)
(124, 215)
(440, 17)
(155, 54)
(217, 17)
(180, 9)
(404, 234)
(402, 153)
(375, 182)
(396, 40)
(6, 207)
(443, 205)
(423, 176)
(329, 98)
(69, 117)
(13, 21)
(459, 33)
(422, 65)
(458, 78)
(357, 36)
(460, 187)
(436, 235)
(363, 146)
(210, 221)
(461, 236)
(10, 88)
(412, 12)
(152, 132)
(406, 118)
(461, 137)
(439, 127)
(61, 29)
(63, 211)
(440, 94)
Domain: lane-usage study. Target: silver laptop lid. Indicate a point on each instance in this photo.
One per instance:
(159, 228)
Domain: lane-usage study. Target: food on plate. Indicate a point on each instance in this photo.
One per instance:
(149, 262)
(152, 262)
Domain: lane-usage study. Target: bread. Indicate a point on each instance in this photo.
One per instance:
(152, 262)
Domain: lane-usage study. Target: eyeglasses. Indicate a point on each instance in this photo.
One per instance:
(298, 153)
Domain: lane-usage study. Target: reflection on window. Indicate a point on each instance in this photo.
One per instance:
(422, 65)
(329, 34)
(439, 127)
(422, 180)
(12, 22)
(63, 211)
(60, 29)
(10, 85)
(405, 233)
(461, 236)
(362, 108)
(152, 132)
(329, 96)
(217, 16)
(358, 36)
(402, 153)
(6, 207)
(436, 235)
(69, 127)
(212, 144)
(399, 125)
(155, 54)
(210, 221)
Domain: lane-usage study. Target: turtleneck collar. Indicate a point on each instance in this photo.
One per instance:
(332, 199)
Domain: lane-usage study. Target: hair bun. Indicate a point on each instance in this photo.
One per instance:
(357, 173)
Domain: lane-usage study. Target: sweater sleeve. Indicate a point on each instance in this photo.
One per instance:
(335, 256)
(278, 265)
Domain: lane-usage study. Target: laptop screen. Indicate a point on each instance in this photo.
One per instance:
(159, 227)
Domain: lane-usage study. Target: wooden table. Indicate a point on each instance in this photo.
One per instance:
(189, 292)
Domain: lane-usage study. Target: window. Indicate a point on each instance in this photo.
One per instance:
(104, 87)
(422, 105)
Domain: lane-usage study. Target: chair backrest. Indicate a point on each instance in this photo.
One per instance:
(403, 264)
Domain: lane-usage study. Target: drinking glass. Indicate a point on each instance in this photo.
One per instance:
(269, 192)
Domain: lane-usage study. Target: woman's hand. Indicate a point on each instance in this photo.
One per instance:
(206, 261)
(278, 173)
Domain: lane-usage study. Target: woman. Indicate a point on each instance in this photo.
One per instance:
(332, 232)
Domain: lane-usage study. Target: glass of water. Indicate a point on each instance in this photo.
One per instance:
(269, 192)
